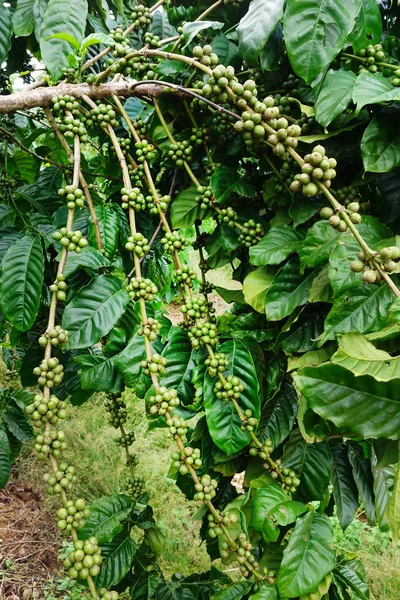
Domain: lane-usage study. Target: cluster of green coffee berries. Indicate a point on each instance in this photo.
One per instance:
(205, 489)
(216, 87)
(140, 125)
(161, 203)
(50, 442)
(251, 127)
(63, 479)
(11, 375)
(200, 136)
(214, 526)
(116, 408)
(249, 423)
(73, 241)
(270, 575)
(180, 152)
(173, 242)
(154, 365)
(190, 458)
(336, 218)
(57, 335)
(205, 55)
(185, 275)
(217, 364)
(71, 74)
(387, 257)
(176, 426)
(250, 233)
(124, 144)
(135, 486)
(372, 54)
(285, 137)
(125, 440)
(46, 410)
(85, 559)
(150, 329)
(145, 151)
(291, 84)
(229, 216)
(106, 595)
(141, 288)
(68, 115)
(205, 196)
(138, 244)
(151, 40)
(104, 114)
(73, 196)
(195, 307)
(245, 555)
(72, 516)
(203, 333)
(50, 372)
(317, 167)
(134, 199)
(263, 451)
(222, 124)
(141, 17)
(118, 36)
(122, 45)
(165, 399)
(231, 388)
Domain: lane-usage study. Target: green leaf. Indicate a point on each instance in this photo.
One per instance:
(128, 361)
(287, 512)
(5, 31)
(380, 145)
(192, 29)
(373, 89)
(318, 244)
(21, 281)
(23, 19)
(393, 508)
(364, 311)
(235, 591)
(186, 208)
(359, 356)
(368, 26)
(320, 290)
(265, 593)
(117, 560)
(89, 258)
(108, 222)
(315, 31)
(107, 517)
(308, 558)
(263, 502)
(5, 462)
(67, 38)
(226, 180)
(96, 38)
(361, 468)
(255, 287)
(98, 373)
(282, 418)
(394, 312)
(26, 165)
(288, 290)
(222, 419)
(272, 52)
(275, 246)
(312, 464)
(360, 405)
(383, 487)
(15, 419)
(94, 311)
(256, 27)
(181, 362)
(345, 490)
(313, 358)
(350, 579)
(68, 17)
(334, 96)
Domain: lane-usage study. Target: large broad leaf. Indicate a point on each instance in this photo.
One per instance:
(23, 19)
(128, 361)
(308, 557)
(21, 282)
(99, 373)
(178, 374)
(384, 478)
(94, 311)
(360, 405)
(117, 559)
(334, 96)
(107, 516)
(5, 461)
(281, 420)
(380, 146)
(108, 223)
(185, 208)
(226, 180)
(345, 490)
(368, 27)
(315, 31)
(318, 244)
(312, 464)
(359, 356)
(15, 419)
(255, 287)
(257, 25)
(5, 31)
(67, 17)
(275, 246)
(365, 310)
(263, 502)
(363, 478)
(288, 290)
(372, 89)
(393, 509)
(235, 591)
(89, 258)
(192, 29)
(222, 419)
(265, 593)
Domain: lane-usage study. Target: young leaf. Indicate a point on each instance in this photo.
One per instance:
(275, 246)
(21, 281)
(255, 287)
(256, 27)
(66, 37)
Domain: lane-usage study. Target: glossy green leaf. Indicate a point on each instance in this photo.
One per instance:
(288, 290)
(393, 508)
(287, 512)
(107, 516)
(334, 96)
(315, 31)
(128, 361)
(98, 373)
(347, 579)
(272, 52)
(263, 502)
(21, 281)
(320, 290)
(312, 464)
(318, 244)
(5, 31)
(361, 468)
(94, 311)
(368, 26)
(257, 25)
(5, 462)
(185, 208)
(222, 419)
(23, 19)
(68, 17)
(226, 180)
(394, 312)
(380, 145)
(345, 490)
(181, 362)
(235, 591)
(383, 487)
(66, 37)
(16, 421)
(359, 356)
(282, 417)
(313, 358)
(265, 593)
(360, 405)
(108, 223)
(308, 557)
(192, 29)
(373, 89)
(117, 560)
(364, 311)
(89, 258)
(275, 246)
(255, 287)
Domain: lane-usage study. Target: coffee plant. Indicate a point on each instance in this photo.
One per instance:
(263, 135)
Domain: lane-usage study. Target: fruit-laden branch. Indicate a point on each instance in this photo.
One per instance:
(42, 97)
